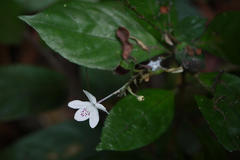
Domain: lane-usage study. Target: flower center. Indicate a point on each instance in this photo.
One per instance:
(85, 112)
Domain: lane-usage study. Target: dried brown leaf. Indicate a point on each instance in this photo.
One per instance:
(168, 39)
(140, 43)
(164, 9)
(123, 35)
(198, 51)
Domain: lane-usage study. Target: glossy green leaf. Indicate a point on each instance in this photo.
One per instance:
(222, 36)
(66, 141)
(132, 124)
(222, 111)
(27, 90)
(84, 32)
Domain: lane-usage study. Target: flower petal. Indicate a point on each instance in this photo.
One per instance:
(94, 117)
(77, 104)
(82, 114)
(101, 107)
(90, 97)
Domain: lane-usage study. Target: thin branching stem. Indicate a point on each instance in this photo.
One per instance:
(139, 74)
(122, 89)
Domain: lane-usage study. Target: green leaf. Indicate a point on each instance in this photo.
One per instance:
(212, 149)
(190, 25)
(66, 141)
(207, 79)
(148, 8)
(183, 20)
(222, 111)
(132, 124)
(84, 32)
(145, 12)
(27, 90)
(222, 36)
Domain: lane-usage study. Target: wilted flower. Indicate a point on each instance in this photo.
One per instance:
(155, 65)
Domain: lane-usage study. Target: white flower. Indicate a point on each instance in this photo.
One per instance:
(140, 98)
(155, 64)
(87, 109)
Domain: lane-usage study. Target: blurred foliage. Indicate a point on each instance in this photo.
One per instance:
(12, 28)
(66, 141)
(22, 86)
(222, 36)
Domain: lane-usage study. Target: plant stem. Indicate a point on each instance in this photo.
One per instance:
(110, 95)
(126, 85)
(120, 89)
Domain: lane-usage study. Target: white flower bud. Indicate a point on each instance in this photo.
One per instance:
(140, 98)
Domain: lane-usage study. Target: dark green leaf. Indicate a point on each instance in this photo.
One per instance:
(208, 79)
(133, 124)
(183, 20)
(66, 141)
(222, 36)
(148, 8)
(146, 13)
(222, 111)
(212, 149)
(196, 139)
(26, 90)
(84, 32)
(190, 24)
